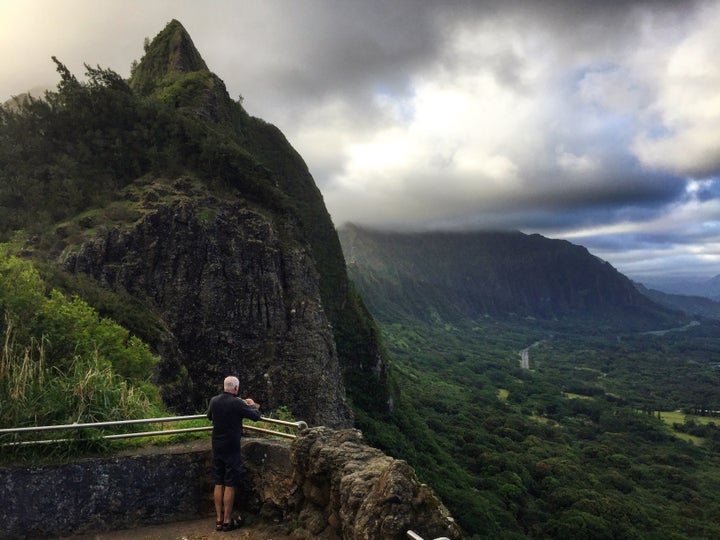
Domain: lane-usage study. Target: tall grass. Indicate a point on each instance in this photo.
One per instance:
(22, 376)
(32, 394)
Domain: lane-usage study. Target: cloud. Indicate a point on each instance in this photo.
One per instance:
(685, 111)
(471, 141)
(592, 121)
(508, 126)
(684, 238)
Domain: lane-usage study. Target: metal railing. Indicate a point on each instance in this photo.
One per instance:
(118, 423)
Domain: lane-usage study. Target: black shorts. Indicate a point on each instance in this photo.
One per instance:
(227, 469)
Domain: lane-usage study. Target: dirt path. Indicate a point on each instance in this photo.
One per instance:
(199, 529)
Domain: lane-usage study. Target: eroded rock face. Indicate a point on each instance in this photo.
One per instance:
(238, 294)
(347, 489)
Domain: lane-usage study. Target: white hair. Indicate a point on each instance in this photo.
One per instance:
(231, 383)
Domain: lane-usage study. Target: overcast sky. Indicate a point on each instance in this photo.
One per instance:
(597, 122)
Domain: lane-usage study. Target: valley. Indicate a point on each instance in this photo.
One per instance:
(536, 426)
(523, 452)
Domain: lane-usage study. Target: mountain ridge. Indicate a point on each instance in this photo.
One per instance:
(707, 287)
(480, 274)
(689, 304)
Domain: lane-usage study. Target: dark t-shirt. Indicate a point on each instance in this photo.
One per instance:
(226, 411)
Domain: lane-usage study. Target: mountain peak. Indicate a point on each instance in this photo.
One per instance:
(173, 71)
(171, 52)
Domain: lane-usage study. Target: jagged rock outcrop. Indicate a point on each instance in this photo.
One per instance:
(343, 488)
(173, 71)
(237, 293)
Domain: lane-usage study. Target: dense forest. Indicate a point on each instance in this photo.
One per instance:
(599, 438)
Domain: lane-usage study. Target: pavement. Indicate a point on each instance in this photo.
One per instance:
(197, 529)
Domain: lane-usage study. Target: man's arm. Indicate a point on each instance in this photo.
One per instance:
(250, 409)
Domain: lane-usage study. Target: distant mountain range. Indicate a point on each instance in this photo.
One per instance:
(475, 274)
(689, 304)
(707, 288)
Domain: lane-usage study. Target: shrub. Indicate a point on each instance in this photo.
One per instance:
(61, 362)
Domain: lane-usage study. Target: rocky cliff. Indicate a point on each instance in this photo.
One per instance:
(165, 188)
(236, 295)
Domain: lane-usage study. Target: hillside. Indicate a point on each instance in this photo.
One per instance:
(686, 286)
(690, 305)
(457, 276)
(167, 207)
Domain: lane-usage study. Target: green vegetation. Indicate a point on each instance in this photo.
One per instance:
(61, 362)
(74, 150)
(572, 447)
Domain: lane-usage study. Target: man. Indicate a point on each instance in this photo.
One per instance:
(226, 411)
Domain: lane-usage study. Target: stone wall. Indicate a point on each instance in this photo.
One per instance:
(90, 495)
(329, 484)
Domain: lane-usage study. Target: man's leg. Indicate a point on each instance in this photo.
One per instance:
(218, 497)
(228, 501)
(218, 474)
(233, 474)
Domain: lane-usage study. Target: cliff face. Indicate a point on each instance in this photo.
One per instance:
(468, 275)
(237, 293)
